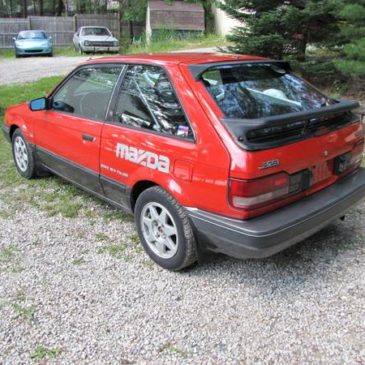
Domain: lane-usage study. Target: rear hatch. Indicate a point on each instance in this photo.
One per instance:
(297, 140)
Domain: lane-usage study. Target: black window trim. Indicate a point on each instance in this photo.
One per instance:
(72, 73)
(114, 99)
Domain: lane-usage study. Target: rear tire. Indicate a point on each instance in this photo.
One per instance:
(23, 156)
(165, 230)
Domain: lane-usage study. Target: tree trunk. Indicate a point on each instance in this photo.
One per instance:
(302, 46)
(60, 7)
(24, 8)
(40, 7)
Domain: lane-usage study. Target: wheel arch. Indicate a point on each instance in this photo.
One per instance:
(170, 185)
(12, 129)
(138, 188)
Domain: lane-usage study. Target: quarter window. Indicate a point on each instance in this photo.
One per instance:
(87, 92)
(147, 100)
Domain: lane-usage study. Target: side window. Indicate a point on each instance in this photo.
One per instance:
(146, 99)
(87, 92)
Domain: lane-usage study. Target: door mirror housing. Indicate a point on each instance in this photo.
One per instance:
(13, 38)
(38, 104)
(50, 37)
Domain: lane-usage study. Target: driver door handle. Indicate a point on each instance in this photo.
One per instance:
(88, 138)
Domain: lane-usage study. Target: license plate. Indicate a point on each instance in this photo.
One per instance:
(342, 163)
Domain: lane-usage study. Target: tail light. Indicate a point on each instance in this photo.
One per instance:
(250, 194)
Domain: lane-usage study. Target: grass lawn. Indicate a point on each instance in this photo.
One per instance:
(50, 194)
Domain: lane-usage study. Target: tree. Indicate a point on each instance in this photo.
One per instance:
(352, 18)
(276, 28)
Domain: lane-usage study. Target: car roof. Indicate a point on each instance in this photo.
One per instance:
(176, 58)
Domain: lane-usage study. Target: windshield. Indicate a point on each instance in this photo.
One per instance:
(251, 91)
(32, 35)
(95, 31)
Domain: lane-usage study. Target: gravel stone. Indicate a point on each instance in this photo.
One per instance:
(305, 305)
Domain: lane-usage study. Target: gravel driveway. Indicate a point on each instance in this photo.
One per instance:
(81, 291)
(20, 70)
(63, 288)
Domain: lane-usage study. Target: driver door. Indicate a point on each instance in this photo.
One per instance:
(68, 134)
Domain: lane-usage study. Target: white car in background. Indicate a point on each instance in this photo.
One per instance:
(95, 39)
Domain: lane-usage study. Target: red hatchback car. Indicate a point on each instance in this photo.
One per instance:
(232, 154)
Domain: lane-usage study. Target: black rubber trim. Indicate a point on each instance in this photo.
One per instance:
(86, 179)
(198, 69)
(6, 132)
(273, 232)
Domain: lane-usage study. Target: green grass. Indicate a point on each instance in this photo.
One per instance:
(116, 250)
(57, 51)
(52, 195)
(100, 236)
(20, 93)
(42, 353)
(7, 53)
(173, 349)
(169, 42)
(10, 259)
(26, 313)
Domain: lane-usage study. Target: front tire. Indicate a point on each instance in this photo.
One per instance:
(23, 156)
(165, 230)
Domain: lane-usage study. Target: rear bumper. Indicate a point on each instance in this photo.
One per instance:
(273, 232)
(6, 132)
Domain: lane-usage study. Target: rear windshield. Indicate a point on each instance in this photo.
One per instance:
(95, 31)
(260, 90)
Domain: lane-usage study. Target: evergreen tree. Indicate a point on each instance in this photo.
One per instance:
(277, 28)
(352, 61)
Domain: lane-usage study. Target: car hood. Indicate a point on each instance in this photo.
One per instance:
(32, 42)
(98, 38)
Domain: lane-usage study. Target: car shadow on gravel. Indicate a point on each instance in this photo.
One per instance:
(333, 248)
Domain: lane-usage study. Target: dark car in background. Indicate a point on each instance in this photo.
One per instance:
(33, 42)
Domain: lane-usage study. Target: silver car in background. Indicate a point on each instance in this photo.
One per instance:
(95, 39)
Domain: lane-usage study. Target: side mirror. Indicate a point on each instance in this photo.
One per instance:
(38, 104)
(50, 37)
(13, 38)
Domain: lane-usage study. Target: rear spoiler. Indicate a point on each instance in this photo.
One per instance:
(240, 128)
